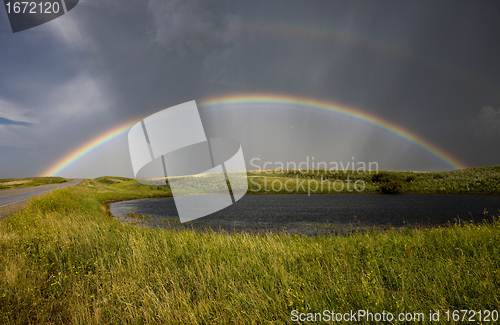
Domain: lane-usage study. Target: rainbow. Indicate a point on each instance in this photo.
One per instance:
(87, 148)
(293, 102)
(269, 100)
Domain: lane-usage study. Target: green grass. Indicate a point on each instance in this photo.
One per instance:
(65, 260)
(480, 180)
(11, 183)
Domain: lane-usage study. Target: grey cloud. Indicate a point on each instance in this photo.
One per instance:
(487, 124)
(184, 26)
(13, 112)
(11, 122)
(72, 104)
(180, 25)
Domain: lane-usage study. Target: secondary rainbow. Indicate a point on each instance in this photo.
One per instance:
(366, 41)
(270, 100)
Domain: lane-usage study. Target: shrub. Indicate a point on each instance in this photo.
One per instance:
(437, 176)
(382, 177)
(391, 187)
(410, 178)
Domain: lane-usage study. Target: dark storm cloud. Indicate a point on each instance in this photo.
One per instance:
(429, 66)
(487, 124)
(184, 26)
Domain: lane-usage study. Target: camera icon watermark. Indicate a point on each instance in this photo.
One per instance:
(204, 174)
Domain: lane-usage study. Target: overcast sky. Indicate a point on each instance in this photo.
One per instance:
(431, 67)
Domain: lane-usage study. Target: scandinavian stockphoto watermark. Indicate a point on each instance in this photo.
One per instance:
(309, 176)
(204, 174)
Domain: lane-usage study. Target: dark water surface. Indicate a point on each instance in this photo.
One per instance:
(317, 213)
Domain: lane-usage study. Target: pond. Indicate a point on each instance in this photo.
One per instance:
(316, 214)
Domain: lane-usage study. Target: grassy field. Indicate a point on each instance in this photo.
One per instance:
(11, 183)
(65, 260)
(483, 180)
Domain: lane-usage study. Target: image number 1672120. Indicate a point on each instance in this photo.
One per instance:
(28, 14)
(33, 7)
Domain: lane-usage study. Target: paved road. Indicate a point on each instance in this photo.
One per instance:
(15, 199)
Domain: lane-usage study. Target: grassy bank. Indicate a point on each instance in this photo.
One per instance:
(481, 180)
(63, 260)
